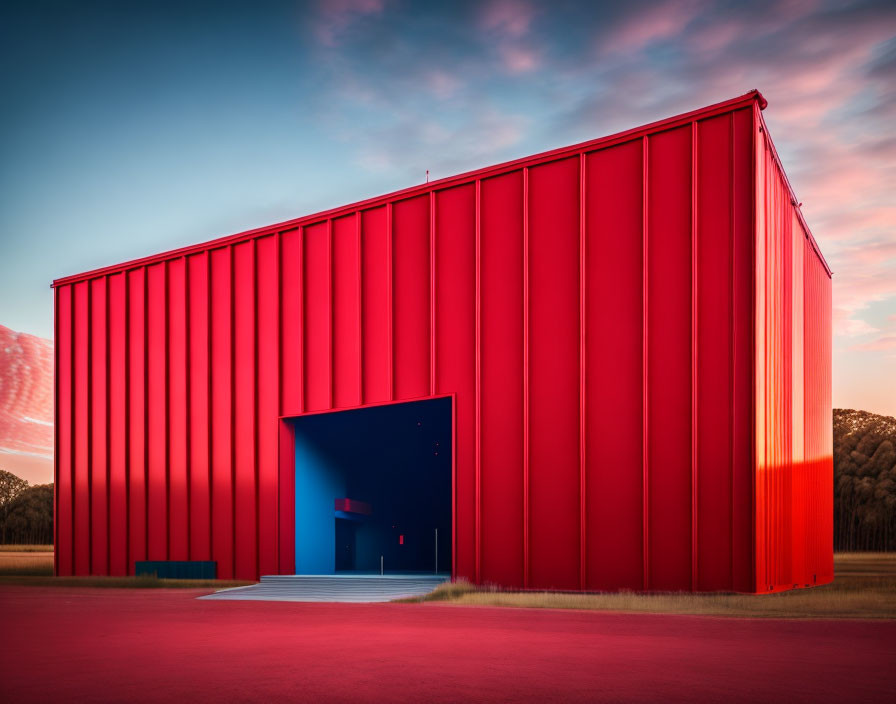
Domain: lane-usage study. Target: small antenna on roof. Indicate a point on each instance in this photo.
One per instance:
(427, 175)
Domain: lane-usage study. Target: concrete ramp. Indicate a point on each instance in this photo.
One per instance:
(334, 588)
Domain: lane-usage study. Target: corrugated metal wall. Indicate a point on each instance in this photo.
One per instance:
(590, 309)
(794, 431)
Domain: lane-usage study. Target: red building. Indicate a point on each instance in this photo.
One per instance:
(632, 341)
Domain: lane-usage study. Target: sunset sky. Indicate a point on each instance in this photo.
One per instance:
(132, 128)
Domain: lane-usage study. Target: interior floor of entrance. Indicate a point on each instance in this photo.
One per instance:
(373, 488)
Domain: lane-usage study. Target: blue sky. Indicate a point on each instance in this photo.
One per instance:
(132, 128)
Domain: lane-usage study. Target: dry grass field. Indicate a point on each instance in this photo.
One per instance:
(864, 587)
(26, 548)
(33, 565)
(24, 562)
(120, 582)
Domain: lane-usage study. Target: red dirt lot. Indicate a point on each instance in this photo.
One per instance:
(137, 645)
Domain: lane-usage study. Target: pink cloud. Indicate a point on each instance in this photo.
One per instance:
(506, 25)
(848, 223)
(846, 326)
(507, 18)
(844, 180)
(888, 342)
(715, 36)
(855, 291)
(441, 83)
(335, 16)
(838, 170)
(662, 21)
(873, 252)
(519, 59)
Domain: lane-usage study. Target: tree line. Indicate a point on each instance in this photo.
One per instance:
(26, 512)
(864, 490)
(864, 481)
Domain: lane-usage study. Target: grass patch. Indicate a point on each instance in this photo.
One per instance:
(864, 587)
(26, 564)
(26, 548)
(35, 568)
(120, 582)
(865, 564)
(450, 591)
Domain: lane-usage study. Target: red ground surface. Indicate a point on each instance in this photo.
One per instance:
(164, 645)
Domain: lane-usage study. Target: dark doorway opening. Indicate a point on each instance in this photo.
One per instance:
(373, 489)
(345, 544)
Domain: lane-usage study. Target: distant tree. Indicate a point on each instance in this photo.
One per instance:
(11, 487)
(864, 481)
(30, 519)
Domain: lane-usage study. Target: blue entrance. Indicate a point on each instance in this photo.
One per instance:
(374, 484)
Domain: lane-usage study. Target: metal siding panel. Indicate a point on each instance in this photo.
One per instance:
(785, 360)
(818, 421)
(783, 389)
(613, 379)
(222, 413)
(245, 439)
(797, 295)
(178, 398)
(822, 459)
(65, 419)
(118, 426)
(99, 553)
(291, 390)
(786, 523)
(526, 381)
(81, 430)
(583, 356)
(317, 321)
(410, 303)
(824, 526)
(477, 401)
(291, 320)
(645, 398)
(501, 369)
(432, 296)
(772, 402)
(811, 408)
(799, 493)
(376, 305)
(742, 345)
(287, 464)
(669, 360)
(137, 445)
(199, 427)
(554, 375)
(809, 440)
(157, 412)
(455, 350)
(55, 524)
(268, 411)
(714, 354)
(346, 313)
(768, 469)
(760, 371)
